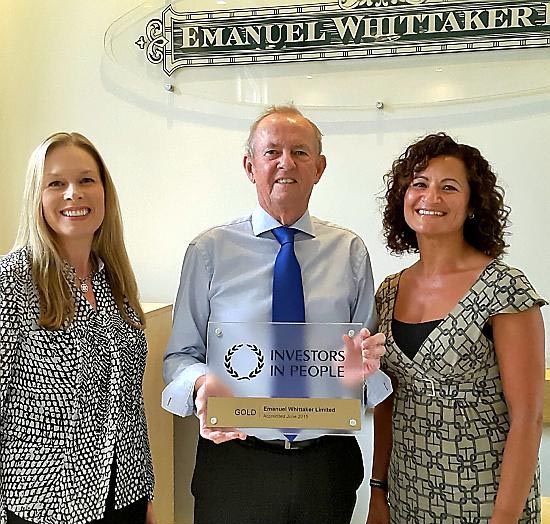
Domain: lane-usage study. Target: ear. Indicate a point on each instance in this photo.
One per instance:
(247, 164)
(321, 166)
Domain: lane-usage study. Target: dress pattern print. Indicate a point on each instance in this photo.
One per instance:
(70, 404)
(450, 418)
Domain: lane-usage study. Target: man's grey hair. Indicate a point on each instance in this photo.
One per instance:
(286, 109)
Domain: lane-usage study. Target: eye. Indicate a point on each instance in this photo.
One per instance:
(300, 152)
(270, 152)
(449, 187)
(418, 184)
(88, 180)
(55, 183)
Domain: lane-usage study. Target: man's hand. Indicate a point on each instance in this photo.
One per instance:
(363, 353)
(210, 386)
(372, 348)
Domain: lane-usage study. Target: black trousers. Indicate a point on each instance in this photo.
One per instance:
(135, 513)
(249, 482)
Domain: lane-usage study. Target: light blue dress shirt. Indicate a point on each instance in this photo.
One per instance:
(227, 276)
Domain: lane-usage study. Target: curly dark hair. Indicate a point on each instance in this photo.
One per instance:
(484, 231)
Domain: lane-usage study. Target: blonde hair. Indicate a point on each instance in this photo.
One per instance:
(56, 300)
(287, 109)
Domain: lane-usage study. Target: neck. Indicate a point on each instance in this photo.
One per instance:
(286, 217)
(78, 255)
(438, 256)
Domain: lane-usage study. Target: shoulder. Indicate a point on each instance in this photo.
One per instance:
(211, 246)
(330, 232)
(324, 226)
(389, 283)
(509, 288)
(501, 274)
(238, 226)
(15, 280)
(15, 265)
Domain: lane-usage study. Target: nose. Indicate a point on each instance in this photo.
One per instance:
(286, 161)
(72, 192)
(432, 194)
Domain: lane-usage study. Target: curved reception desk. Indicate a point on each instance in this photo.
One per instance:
(159, 422)
(173, 464)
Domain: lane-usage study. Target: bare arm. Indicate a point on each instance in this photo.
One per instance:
(519, 345)
(383, 442)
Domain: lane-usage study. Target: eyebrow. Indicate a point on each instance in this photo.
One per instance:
(55, 173)
(295, 146)
(448, 179)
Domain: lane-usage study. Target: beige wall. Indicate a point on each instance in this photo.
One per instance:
(178, 170)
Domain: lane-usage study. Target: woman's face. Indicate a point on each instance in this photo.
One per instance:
(73, 198)
(436, 201)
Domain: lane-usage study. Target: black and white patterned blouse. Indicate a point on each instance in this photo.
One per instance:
(70, 401)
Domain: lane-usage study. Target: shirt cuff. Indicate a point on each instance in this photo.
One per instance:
(177, 397)
(377, 388)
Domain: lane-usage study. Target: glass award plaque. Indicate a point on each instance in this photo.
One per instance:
(284, 375)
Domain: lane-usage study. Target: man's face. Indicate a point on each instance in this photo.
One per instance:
(285, 164)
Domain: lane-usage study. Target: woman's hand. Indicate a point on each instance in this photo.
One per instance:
(379, 510)
(150, 516)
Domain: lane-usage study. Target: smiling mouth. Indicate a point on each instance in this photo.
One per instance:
(285, 181)
(76, 212)
(430, 212)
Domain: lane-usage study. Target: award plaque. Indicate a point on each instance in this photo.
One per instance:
(284, 375)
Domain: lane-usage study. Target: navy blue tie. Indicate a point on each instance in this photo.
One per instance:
(288, 306)
(288, 293)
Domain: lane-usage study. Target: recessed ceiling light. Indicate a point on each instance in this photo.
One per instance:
(438, 69)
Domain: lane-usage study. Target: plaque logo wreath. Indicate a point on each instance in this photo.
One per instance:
(239, 347)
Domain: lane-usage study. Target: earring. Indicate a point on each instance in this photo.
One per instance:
(471, 215)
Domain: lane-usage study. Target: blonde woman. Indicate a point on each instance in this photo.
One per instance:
(73, 434)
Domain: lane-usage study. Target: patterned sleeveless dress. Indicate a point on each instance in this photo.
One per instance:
(450, 418)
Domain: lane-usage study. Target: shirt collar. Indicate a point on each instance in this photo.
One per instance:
(263, 222)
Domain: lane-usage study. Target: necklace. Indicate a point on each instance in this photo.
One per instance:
(83, 282)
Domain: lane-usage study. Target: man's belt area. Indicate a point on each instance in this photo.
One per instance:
(280, 445)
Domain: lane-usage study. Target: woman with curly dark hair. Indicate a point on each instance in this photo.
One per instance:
(458, 440)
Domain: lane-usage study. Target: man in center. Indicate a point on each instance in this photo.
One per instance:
(228, 276)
